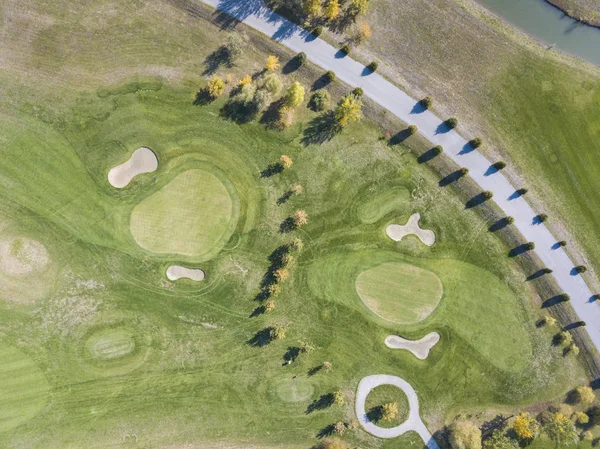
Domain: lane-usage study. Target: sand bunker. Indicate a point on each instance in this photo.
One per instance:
(175, 272)
(22, 256)
(397, 232)
(143, 160)
(420, 348)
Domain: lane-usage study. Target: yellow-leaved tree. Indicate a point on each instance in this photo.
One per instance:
(272, 63)
(525, 426)
(216, 86)
(295, 95)
(348, 110)
(313, 7)
(333, 9)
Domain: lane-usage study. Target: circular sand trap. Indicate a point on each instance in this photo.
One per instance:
(110, 344)
(23, 390)
(420, 348)
(22, 256)
(295, 390)
(143, 160)
(399, 292)
(192, 215)
(397, 232)
(175, 272)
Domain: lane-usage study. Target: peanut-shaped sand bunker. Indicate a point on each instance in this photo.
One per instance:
(143, 160)
(420, 348)
(397, 232)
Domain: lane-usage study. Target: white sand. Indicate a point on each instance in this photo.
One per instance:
(397, 232)
(175, 272)
(143, 160)
(420, 348)
(22, 256)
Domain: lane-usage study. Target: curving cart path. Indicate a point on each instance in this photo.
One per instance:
(256, 15)
(413, 422)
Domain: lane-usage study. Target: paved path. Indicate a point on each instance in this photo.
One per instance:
(413, 422)
(256, 15)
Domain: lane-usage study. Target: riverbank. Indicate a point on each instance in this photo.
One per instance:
(586, 11)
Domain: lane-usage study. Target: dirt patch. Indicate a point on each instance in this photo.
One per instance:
(175, 272)
(143, 160)
(22, 256)
(397, 232)
(420, 348)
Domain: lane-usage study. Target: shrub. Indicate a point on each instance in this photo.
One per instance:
(339, 398)
(297, 244)
(333, 443)
(272, 63)
(574, 349)
(548, 320)
(584, 395)
(358, 92)
(499, 165)
(465, 435)
(353, 424)
(261, 99)
(327, 366)
(522, 191)
(277, 332)
(295, 95)
(547, 270)
(319, 101)
(476, 142)
(580, 269)
(216, 86)
(564, 297)
(272, 83)
(412, 130)
(373, 66)
(297, 189)
(339, 427)
(530, 246)
(300, 218)
(270, 305)
(246, 80)
(426, 102)
(345, 49)
(437, 150)
(542, 218)
(234, 46)
(306, 348)
(317, 31)
(285, 117)
(463, 171)
(300, 59)
(282, 274)
(500, 441)
(487, 194)
(509, 220)
(330, 76)
(581, 418)
(451, 123)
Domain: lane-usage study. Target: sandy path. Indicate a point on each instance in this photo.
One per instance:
(175, 272)
(398, 232)
(143, 160)
(413, 422)
(420, 348)
(256, 15)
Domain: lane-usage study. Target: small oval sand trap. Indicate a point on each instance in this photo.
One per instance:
(420, 348)
(397, 232)
(143, 160)
(22, 256)
(175, 272)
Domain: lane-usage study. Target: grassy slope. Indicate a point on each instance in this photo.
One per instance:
(536, 110)
(202, 384)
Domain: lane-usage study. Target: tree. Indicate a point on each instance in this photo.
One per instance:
(509, 220)
(272, 84)
(565, 337)
(345, 49)
(339, 398)
(486, 194)
(272, 63)
(317, 31)
(372, 67)
(476, 142)
(584, 395)
(389, 411)
(287, 260)
(297, 244)
(412, 130)
(464, 171)
(333, 9)
(282, 274)
(562, 243)
(319, 101)
(327, 366)
(522, 191)
(550, 321)
(500, 441)
(295, 95)
(306, 347)
(234, 46)
(285, 117)
(499, 165)
(561, 430)
(333, 443)
(216, 86)
(339, 427)
(581, 418)
(300, 218)
(542, 217)
(526, 427)
(529, 246)
(313, 7)
(277, 332)
(300, 59)
(437, 150)
(246, 81)
(330, 76)
(465, 435)
(274, 289)
(580, 269)
(426, 102)
(297, 189)
(358, 92)
(359, 6)
(285, 161)
(270, 305)
(451, 123)
(348, 110)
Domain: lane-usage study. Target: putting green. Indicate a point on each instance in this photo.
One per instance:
(23, 390)
(295, 390)
(193, 215)
(400, 292)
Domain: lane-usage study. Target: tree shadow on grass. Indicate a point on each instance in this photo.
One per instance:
(261, 338)
(400, 137)
(518, 250)
(325, 401)
(239, 111)
(271, 170)
(287, 225)
(451, 178)
(314, 370)
(326, 431)
(272, 114)
(292, 65)
(215, 60)
(285, 197)
(260, 310)
(538, 274)
(574, 325)
(557, 299)
(276, 260)
(291, 354)
(498, 225)
(203, 98)
(476, 201)
(321, 129)
(374, 414)
(320, 83)
(428, 155)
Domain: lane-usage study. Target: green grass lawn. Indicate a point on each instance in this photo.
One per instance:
(132, 360)
(191, 215)
(401, 293)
